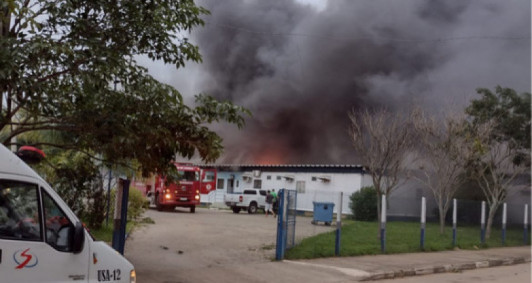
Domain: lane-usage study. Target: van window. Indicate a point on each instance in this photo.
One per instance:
(19, 211)
(57, 225)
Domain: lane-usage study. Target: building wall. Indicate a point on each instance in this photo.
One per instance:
(311, 187)
(403, 204)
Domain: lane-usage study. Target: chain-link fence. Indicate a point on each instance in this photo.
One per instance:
(403, 228)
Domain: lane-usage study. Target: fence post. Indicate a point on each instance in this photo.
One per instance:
(383, 224)
(108, 196)
(503, 223)
(423, 219)
(338, 224)
(454, 221)
(120, 216)
(483, 223)
(281, 239)
(525, 231)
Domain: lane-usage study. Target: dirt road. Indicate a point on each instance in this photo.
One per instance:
(208, 246)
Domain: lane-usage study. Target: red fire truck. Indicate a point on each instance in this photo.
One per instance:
(191, 181)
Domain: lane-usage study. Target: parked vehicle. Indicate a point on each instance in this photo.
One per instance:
(42, 240)
(185, 191)
(249, 199)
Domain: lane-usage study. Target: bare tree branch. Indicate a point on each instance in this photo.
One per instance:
(442, 157)
(382, 141)
(494, 169)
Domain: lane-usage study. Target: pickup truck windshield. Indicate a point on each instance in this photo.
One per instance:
(187, 175)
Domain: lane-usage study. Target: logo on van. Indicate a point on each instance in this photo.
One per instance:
(25, 259)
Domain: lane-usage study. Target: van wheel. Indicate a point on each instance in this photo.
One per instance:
(192, 209)
(236, 209)
(252, 209)
(157, 203)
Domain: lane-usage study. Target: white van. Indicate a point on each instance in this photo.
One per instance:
(41, 240)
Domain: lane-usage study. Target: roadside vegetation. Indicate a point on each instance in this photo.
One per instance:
(482, 151)
(137, 205)
(360, 238)
(69, 85)
(105, 232)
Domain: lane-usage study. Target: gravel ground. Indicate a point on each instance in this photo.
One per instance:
(206, 245)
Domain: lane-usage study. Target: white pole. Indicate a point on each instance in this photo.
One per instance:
(504, 215)
(383, 209)
(383, 223)
(483, 214)
(423, 210)
(482, 223)
(339, 210)
(503, 223)
(526, 214)
(454, 213)
(525, 230)
(423, 218)
(338, 225)
(454, 221)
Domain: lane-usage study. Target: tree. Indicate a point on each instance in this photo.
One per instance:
(364, 204)
(60, 63)
(510, 113)
(382, 141)
(444, 154)
(500, 123)
(493, 166)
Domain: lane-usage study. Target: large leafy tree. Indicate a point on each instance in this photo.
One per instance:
(509, 112)
(500, 127)
(69, 67)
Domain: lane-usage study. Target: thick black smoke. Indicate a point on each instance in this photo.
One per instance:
(301, 70)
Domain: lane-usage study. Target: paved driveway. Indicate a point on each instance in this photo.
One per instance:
(208, 246)
(219, 246)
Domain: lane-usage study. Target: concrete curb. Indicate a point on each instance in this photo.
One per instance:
(379, 275)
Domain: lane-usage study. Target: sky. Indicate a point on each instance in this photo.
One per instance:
(301, 66)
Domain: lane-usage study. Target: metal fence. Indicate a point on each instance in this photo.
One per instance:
(399, 208)
(286, 222)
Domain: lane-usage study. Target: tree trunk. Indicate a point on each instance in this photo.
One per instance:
(491, 215)
(442, 220)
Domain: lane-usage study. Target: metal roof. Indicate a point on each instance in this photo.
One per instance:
(284, 165)
(341, 168)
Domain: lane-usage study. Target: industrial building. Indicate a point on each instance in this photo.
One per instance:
(323, 183)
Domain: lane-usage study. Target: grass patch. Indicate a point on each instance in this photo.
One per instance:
(361, 238)
(106, 232)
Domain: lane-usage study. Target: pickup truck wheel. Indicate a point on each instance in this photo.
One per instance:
(252, 209)
(192, 209)
(236, 209)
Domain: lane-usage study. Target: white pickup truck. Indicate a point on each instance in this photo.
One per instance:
(249, 199)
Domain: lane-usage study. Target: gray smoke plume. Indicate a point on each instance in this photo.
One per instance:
(301, 70)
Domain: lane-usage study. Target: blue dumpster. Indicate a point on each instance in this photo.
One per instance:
(323, 212)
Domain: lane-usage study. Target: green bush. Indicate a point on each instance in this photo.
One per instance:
(364, 204)
(136, 204)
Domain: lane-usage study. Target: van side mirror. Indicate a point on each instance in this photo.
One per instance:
(78, 238)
